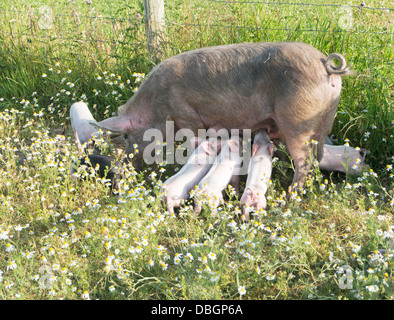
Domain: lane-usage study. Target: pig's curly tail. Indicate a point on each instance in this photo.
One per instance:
(342, 69)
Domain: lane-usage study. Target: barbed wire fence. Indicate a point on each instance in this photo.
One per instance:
(160, 28)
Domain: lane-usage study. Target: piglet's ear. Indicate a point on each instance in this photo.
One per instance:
(118, 124)
(209, 147)
(255, 148)
(234, 145)
(270, 148)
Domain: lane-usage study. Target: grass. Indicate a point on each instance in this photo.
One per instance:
(67, 239)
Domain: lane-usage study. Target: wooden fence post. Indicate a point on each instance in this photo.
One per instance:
(155, 29)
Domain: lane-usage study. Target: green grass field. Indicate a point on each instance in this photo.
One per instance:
(66, 239)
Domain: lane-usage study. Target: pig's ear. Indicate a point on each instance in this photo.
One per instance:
(118, 124)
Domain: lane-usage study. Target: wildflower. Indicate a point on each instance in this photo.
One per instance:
(212, 256)
(241, 290)
(4, 235)
(11, 265)
(177, 259)
(356, 248)
(214, 278)
(9, 248)
(372, 288)
(68, 282)
(189, 256)
(348, 185)
(138, 249)
(270, 277)
(111, 288)
(163, 265)
(85, 295)
(35, 277)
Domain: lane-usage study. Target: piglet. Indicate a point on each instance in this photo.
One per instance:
(178, 187)
(259, 173)
(81, 117)
(343, 158)
(225, 166)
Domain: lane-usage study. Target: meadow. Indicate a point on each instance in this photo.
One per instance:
(67, 239)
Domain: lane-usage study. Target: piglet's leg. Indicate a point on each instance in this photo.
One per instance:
(77, 141)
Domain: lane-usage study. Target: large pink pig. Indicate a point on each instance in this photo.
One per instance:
(290, 89)
(178, 187)
(220, 174)
(343, 158)
(259, 173)
(81, 120)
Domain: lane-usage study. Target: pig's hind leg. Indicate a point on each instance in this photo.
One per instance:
(304, 155)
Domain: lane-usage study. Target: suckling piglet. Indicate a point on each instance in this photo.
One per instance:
(343, 158)
(81, 118)
(259, 173)
(217, 179)
(178, 187)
